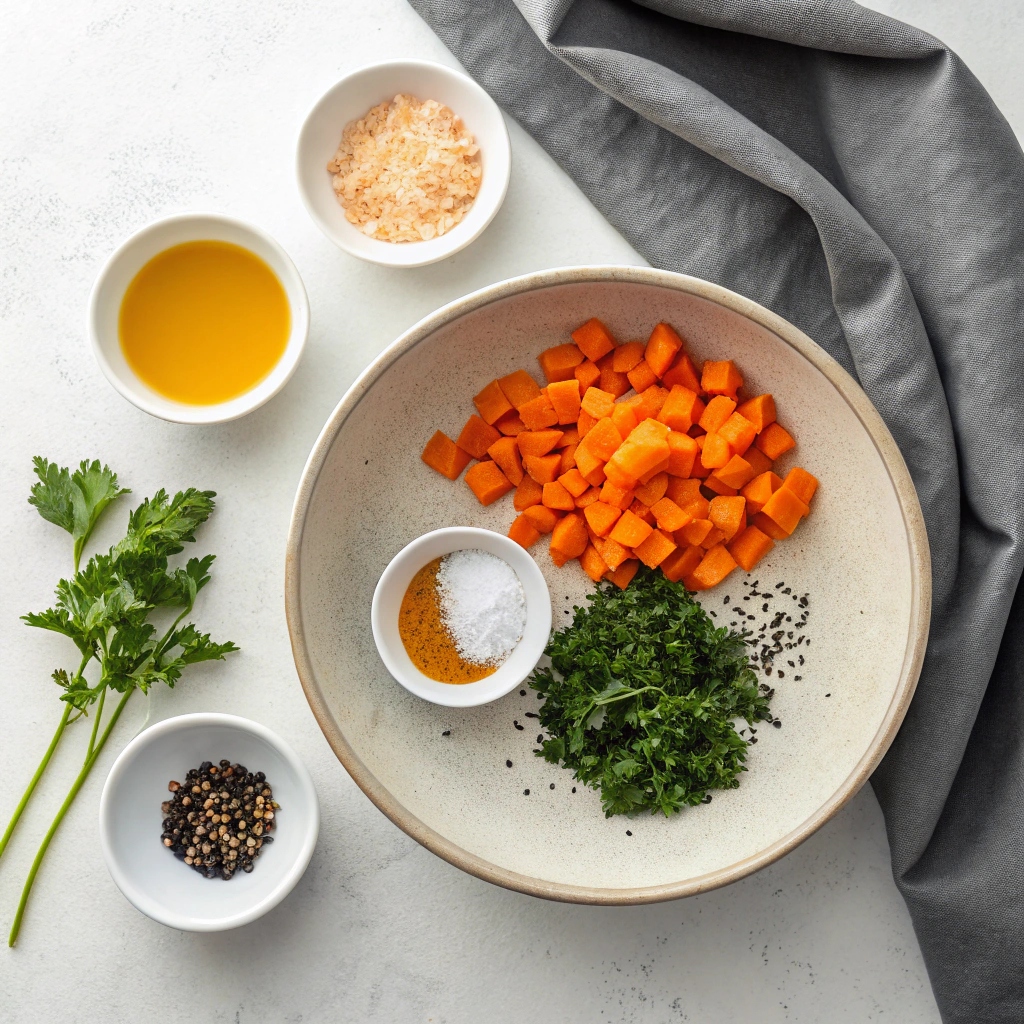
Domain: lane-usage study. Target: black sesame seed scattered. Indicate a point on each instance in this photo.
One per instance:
(777, 585)
(447, 732)
(726, 599)
(552, 786)
(532, 714)
(798, 678)
(628, 833)
(518, 726)
(574, 789)
(522, 693)
(828, 694)
(526, 792)
(508, 764)
(540, 737)
(777, 724)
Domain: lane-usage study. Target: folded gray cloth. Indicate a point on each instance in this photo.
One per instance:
(847, 171)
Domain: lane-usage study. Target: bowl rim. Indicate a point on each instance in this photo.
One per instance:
(140, 899)
(496, 685)
(860, 405)
(248, 401)
(445, 251)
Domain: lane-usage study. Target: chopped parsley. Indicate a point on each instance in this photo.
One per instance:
(643, 697)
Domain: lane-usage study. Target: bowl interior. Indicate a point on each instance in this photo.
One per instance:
(387, 600)
(354, 96)
(129, 260)
(148, 873)
(854, 557)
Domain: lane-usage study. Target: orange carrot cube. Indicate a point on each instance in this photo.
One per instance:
(630, 530)
(615, 554)
(588, 497)
(669, 516)
(477, 437)
(700, 471)
(650, 402)
(642, 511)
(603, 440)
(652, 490)
(739, 432)
(538, 413)
(785, 509)
(598, 403)
(623, 575)
(684, 373)
(714, 567)
(627, 356)
(736, 473)
(682, 562)
(769, 527)
(801, 483)
(680, 408)
(487, 482)
(716, 452)
(592, 563)
(528, 494)
(557, 497)
(653, 551)
(749, 547)
(601, 517)
(444, 455)
(616, 384)
(568, 456)
(718, 410)
(682, 492)
(543, 518)
(641, 377)
(729, 515)
(682, 451)
(588, 374)
(511, 424)
(715, 536)
(572, 480)
(565, 397)
(620, 497)
(586, 461)
(760, 411)
(585, 424)
(491, 403)
(593, 339)
(760, 489)
(694, 532)
(505, 453)
(714, 484)
(662, 347)
(570, 434)
(775, 440)
(538, 442)
(619, 476)
(543, 468)
(721, 378)
(523, 532)
(759, 462)
(569, 537)
(519, 388)
(559, 363)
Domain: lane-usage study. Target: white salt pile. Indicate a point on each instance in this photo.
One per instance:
(482, 605)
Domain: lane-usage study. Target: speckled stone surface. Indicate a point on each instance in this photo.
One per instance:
(114, 114)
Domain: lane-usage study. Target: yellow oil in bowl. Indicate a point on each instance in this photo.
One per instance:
(203, 322)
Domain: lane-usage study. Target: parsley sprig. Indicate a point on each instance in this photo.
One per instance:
(106, 609)
(643, 696)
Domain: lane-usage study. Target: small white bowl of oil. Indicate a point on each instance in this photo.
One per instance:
(198, 318)
(391, 590)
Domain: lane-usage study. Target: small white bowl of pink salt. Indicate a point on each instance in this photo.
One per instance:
(403, 163)
(461, 616)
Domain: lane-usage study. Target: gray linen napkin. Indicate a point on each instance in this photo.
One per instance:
(847, 171)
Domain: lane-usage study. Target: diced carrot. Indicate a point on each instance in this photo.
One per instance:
(669, 516)
(651, 402)
(623, 576)
(511, 424)
(682, 450)
(570, 434)
(585, 424)
(598, 403)
(644, 450)
(538, 442)
(729, 515)
(760, 489)
(557, 497)
(653, 490)
(491, 403)
(736, 473)
(662, 347)
(588, 374)
(487, 482)
(785, 509)
(801, 483)
(699, 508)
(618, 476)
(627, 356)
(573, 482)
(760, 411)
(624, 418)
(593, 563)
(616, 384)
(683, 372)
(565, 397)
(615, 554)
(716, 452)
(588, 497)
(593, 339)
(715, 536)
(569, 537)
(718, 410)
(601, 517)
(523, 532)
(542, 517)
(759, 462)
(568, 456)
(528, 494)
(559, 363)
(714, 567)
(543, 468)
(682, 492)
(721, 378)
(715, 485)
(653, 551)
(596, 477)
(603, 440)
(642, 376)
(775, 440)
(769, 527)
(587, 461)
(679, 409)
(620, 497)
(630, 530)
(519, 388)
(749, 547)
(538, 413)
(739, 432)
(641, 511)
(477, 437)
(700, 471)
(682, 562)
(444, 455)
(694, 532)
(558, 558)
(505, 453)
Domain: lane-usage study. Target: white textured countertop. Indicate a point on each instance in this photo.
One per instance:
(114, 114)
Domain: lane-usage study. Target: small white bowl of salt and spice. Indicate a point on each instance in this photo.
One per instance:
(461, 616)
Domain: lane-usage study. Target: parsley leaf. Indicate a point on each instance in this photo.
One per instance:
(643, 695)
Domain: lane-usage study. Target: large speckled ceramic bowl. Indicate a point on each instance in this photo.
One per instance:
(442, 774)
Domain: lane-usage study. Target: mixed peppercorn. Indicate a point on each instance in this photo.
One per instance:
(219, 819)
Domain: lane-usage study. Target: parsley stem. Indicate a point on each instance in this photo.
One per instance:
(35, 779)
(96, 722)
(68, 800)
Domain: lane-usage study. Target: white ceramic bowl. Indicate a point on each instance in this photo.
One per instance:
(128, 260)
(130, 822)
(387, 600)
(352, 97)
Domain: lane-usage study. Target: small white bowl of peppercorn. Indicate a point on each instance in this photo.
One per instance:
(207, 821)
